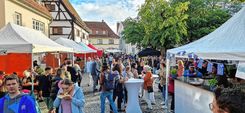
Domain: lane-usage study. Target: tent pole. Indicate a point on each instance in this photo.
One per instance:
(85, 59)
(32, 77)
(58, 59)
(167, 75)
(73, 59)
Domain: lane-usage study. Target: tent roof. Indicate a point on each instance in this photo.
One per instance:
(93, 47)
(70, 43)
(18, 39)
(86, 48)
(225, 43)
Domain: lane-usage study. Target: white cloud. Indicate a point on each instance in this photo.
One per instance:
(111, 11)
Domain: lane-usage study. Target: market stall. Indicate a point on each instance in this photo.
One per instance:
(19, 43)
(225, 43)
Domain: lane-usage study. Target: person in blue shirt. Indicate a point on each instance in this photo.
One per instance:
(15, 101)
(192, 72)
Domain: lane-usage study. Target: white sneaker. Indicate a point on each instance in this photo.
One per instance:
(162, 103)
(164, 107)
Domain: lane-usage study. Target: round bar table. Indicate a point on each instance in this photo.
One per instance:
(133, 86)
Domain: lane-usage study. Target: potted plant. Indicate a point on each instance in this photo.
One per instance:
(212, 84)
(173, 73)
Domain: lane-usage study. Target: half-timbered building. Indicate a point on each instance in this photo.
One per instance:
(66, 21)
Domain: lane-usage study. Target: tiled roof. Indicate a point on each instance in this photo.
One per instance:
(35, 5)
(78, 20)
(101, 26)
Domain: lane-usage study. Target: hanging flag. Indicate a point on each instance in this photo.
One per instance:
(240, 73)
(220, 69)
(192, 55)
(170, 56)
(199, 65)
(181, 53)
(209, 68)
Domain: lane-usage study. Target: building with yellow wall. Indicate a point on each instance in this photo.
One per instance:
(102, 36)
(27, 13)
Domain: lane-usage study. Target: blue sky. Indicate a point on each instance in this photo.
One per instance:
(111, 11)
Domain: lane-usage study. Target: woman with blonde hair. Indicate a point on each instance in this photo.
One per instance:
(148, 86)
(181, 68)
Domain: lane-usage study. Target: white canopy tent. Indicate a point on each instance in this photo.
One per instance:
(18, 39)
(70, 43)
(225, 43)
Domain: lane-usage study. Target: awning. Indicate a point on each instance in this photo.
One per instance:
(86, 48)
(99, 52)
(78, 48)
(18, 39)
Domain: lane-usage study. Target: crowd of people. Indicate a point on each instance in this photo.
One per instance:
(61, 91)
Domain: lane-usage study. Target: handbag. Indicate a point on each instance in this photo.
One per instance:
(149, 89)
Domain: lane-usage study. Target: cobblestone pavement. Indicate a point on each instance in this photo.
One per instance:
(93, 101)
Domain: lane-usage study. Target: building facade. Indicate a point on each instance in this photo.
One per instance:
(127, 48)
(102, 36)
(66, 22)
(26, 13)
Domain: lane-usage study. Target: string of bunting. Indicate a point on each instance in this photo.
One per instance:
(220, 66)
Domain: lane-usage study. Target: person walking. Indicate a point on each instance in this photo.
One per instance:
(88, 68)
(95, 74)
(55, 85)
(73, 72)
(70, 98)
(106, 93)
(148, 86)
(45, 86)
(15, 101)
(119, 86)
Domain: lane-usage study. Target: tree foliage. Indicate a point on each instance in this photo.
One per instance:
(133, 32)
(165, 24)
(159, 24)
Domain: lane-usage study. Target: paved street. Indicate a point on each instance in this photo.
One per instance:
(93, 101)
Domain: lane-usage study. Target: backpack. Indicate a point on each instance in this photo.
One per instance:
(109, 81)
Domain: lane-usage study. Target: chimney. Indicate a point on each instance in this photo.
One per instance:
(103, 20)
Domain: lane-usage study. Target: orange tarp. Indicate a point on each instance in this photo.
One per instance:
(15, 62)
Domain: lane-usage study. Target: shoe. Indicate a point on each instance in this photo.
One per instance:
(153, 103)
(162, 103)
(148, 108)
(40, 100)
(164, 107)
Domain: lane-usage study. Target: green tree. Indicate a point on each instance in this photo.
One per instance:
(133, 32)
(164, 23)
(204, 17)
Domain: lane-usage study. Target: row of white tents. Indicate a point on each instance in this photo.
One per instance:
(18, 39)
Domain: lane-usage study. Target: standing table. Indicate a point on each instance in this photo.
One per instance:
(133, 86)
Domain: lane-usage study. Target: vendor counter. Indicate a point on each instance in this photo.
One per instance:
(191, 99)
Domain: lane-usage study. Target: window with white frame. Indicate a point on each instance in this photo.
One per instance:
(97, 32)
(103, 32)
(17, 18)
(99, 41)
(37, 25)
(111, 41)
